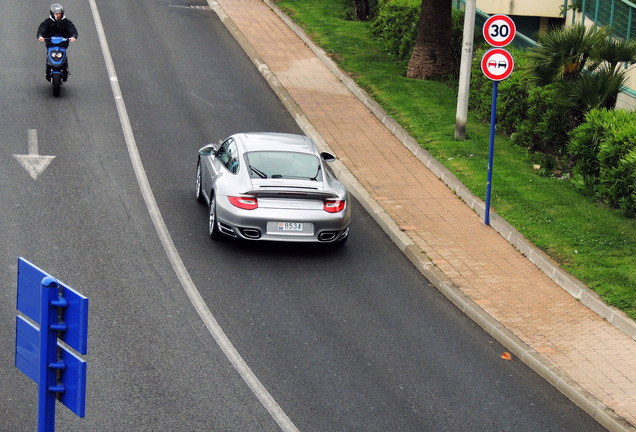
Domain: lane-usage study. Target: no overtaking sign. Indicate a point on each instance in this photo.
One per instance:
(497, 64)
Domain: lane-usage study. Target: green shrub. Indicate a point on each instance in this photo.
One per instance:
(395, 23)
(617, 159)
(457, 37)
(512, 99)
(512, 94)
(583, 151)
(604, 151)
(480, 99)
(543, 127)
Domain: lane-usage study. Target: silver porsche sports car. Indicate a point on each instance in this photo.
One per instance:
(272, 186)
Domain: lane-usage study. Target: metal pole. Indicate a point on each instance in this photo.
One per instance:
(491, 150)
(48, 355)
(464, 69)
(596, 13)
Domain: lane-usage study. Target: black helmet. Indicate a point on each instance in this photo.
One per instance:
(56, 8)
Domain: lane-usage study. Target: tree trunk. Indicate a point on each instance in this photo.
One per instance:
(361, 9)
(431, 56)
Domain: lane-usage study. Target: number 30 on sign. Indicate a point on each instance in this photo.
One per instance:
(499, 30)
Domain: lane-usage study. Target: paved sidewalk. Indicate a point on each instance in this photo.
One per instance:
(585, 356)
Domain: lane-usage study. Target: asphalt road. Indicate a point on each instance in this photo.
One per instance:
(347, 339)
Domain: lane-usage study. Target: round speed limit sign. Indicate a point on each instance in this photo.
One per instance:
(499, 30)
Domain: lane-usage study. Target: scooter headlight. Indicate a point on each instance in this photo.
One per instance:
(57, 55)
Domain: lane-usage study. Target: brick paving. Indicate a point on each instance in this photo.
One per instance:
(485, 267)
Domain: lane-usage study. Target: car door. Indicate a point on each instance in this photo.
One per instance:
(221, 162)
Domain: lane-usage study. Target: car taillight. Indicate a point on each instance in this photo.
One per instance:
(245, 203)
(334, 206)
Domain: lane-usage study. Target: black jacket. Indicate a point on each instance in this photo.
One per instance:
(63, 27)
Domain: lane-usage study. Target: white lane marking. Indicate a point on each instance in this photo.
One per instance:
(33, 163)
(177, 264)
(32, 141)
(202, 100)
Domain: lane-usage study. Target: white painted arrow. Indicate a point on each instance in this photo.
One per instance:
(33, 163)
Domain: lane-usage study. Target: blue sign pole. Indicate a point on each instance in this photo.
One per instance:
(48, 354)
(493, 118)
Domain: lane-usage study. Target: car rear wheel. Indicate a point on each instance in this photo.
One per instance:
(199, 192)
(213, 228)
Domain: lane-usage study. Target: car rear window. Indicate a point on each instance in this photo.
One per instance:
(278, 164)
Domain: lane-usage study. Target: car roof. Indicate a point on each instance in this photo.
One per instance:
(259, 141)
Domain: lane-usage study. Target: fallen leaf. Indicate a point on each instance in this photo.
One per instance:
(506, 356)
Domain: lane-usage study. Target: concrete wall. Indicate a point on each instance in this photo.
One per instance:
(627, 100)
(538, 8)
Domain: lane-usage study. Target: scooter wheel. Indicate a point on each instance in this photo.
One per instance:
(56, 79)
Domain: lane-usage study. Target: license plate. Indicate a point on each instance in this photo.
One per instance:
(290, 226)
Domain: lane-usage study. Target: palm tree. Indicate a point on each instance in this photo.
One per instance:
(432, 57)
(584, 64)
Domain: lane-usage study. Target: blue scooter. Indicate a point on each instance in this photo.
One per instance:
(56, 65)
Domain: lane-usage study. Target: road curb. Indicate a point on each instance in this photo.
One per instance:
(582, 398)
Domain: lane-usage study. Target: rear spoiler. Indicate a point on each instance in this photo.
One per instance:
(296, 193)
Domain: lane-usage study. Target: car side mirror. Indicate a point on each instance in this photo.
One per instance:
(327, 157)
(207, 150)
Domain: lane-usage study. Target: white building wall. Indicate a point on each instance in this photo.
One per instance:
(628, 100)
(539, 8)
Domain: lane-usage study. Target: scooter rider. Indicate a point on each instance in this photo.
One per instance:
(56, 25)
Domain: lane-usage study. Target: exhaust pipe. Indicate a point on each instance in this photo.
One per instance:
(327, 236)
(251, 233)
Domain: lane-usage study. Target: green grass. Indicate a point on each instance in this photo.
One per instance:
(593, 243)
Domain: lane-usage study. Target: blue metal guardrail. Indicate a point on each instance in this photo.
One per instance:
(618, 14)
